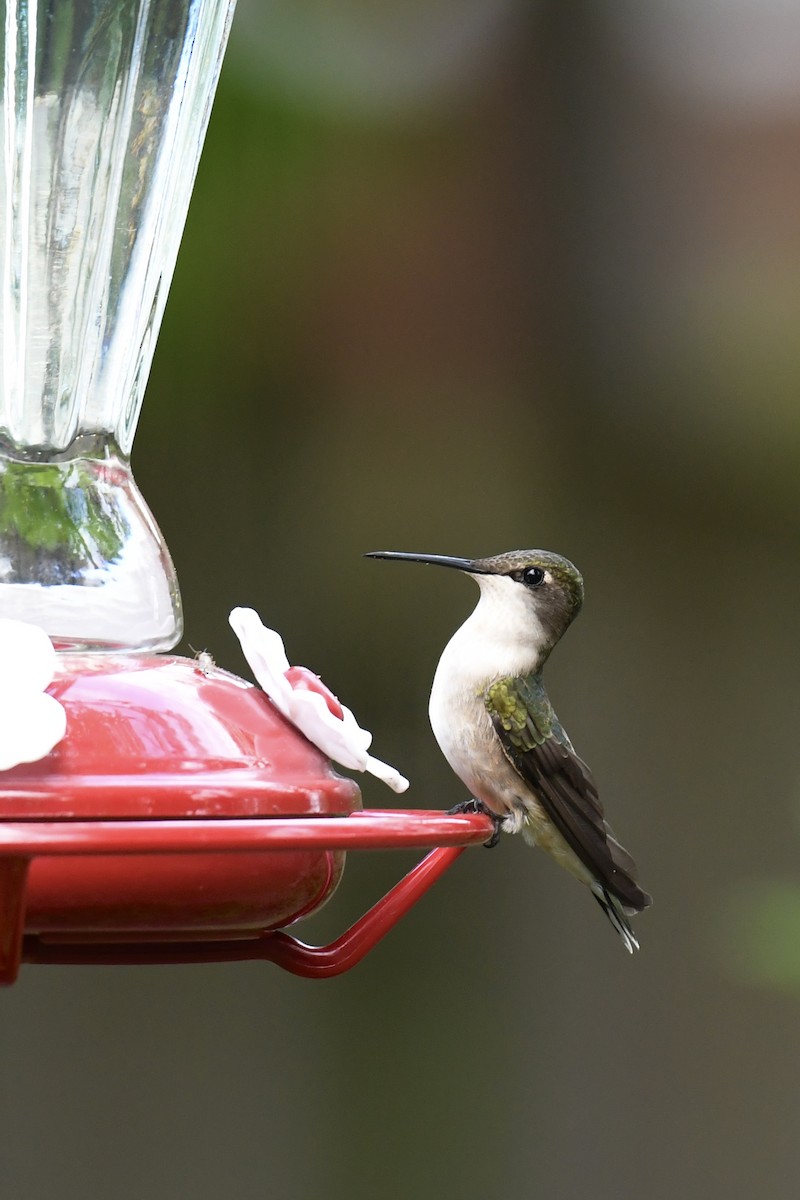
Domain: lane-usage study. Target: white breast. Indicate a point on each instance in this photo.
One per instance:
(502, 637)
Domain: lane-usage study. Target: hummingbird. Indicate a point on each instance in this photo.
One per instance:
(496, 727)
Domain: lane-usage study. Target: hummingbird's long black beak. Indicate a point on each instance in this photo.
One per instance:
(437, 560)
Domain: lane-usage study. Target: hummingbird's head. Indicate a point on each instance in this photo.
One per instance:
(534, 593)
(554, 585)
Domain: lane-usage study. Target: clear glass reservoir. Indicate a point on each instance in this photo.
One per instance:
(105, 105)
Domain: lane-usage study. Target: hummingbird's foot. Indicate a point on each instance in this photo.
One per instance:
(467, 806)
(498, 829)
(476, 806)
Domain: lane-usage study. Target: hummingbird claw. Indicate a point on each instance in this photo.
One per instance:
(498, 829)
(476, 806)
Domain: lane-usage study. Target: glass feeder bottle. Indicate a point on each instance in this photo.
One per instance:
(105, 105)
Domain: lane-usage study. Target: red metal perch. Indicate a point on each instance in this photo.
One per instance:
(24, 843)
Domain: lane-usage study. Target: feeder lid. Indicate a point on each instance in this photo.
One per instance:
(158, 736)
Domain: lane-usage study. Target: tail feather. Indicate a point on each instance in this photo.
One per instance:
(616, 916)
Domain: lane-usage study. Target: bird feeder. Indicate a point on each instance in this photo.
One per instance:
(181, 818)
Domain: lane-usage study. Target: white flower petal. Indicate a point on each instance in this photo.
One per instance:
(263, 649)
(27, 657)
(30, 726)
(391, 777)
(340, 738)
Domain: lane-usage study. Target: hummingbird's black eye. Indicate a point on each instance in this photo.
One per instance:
(533, 577)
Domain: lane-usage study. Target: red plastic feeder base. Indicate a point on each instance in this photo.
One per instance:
(182, 819)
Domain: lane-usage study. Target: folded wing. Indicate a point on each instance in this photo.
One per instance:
(540, 751)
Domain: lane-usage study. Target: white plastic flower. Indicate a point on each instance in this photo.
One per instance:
(31, 721)
(306, 702)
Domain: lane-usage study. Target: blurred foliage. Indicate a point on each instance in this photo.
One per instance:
(759, 934)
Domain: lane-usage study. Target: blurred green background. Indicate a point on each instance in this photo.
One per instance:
(466, 277)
